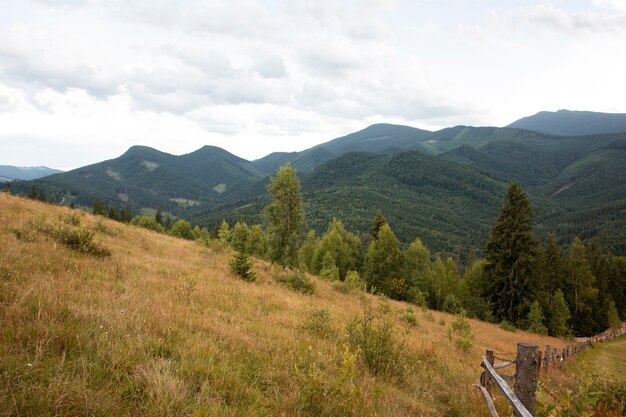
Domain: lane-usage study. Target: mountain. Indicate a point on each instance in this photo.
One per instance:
(572, 123)
(381, 138)
(10, 173)
(147, 178)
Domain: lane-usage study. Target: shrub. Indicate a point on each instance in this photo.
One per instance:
(376, 340)
(148, 222)
(79, 239)
(451, 304)
(241, 266)
(353, 282)
(182, 229)
(296, 280)
(508, 326)
(318, 322)
(460, 332)
(409, 317)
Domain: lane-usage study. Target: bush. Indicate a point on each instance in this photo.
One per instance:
(376, 340)
(296, 280)
(508, 326)
(241, 266)
(182, 229)
(409, 317)
(318, 322)
(460, 332)
(148, 222)
(353, 282)
(79, 239)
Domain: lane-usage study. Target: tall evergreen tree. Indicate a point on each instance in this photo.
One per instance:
(33, 193)
(581, 294)
(257, 242)
(551, 266)
(7, 188)
(159, 216)
(42, 195)
(536, 319)
(284, 216)
(377, 223)
(558, 315)
(99, 208)
(383, 261)
(239, 238)
(511, 253)
(127, 214)
(224, 234)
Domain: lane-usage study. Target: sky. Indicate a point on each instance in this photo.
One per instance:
(83, 80)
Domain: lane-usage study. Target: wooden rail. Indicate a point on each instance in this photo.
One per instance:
(529, 361)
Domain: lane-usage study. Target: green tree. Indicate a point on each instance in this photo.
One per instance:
(224, 234)
(159, 216)
(551, 266)
(581, 293)
(147, 222)
(558, 315)
(443, 282)
(510, 255)
(536, 319)
(471, 290)
(181, 228)
(42, 195)
(7, 188)
(33, 193)
(239, 239)
(417, 266)
(383, 261)
(284, 216)
(168, 221)
(377, 223)
(341, 246)
(98, 208)
(127, 214)
(241, 266)
(307, 251)
(612, 316)
(257, 242)
(113, 213)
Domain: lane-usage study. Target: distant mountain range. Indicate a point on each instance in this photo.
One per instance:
(10, 173)
(573, 123)
(444, 186)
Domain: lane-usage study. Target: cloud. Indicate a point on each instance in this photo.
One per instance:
(33, 61)
(549, 16)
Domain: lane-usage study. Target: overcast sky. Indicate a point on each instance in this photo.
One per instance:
(83, 80)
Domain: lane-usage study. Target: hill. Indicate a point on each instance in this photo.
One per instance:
(10, 173)
(379, 138)
(160, 328)
(573, 123)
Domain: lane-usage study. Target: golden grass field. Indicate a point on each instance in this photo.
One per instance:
(160, 328)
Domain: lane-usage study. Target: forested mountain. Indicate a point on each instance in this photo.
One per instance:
(442, 186)
(572, 123)
(9, 172)
(380, 138)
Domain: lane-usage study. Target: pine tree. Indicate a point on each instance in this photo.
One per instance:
(224, 234)
(99, 208)
(257, 242)
(417, 266)
(377, 223)
(168, 221)
(612, 316)
(182, 229)
(7, 188)
(558, 315)
(33, 193)
(240, 237)
(159, 217)
(127, 214)
(242, 267)
(113, 213)
(552, 266)
(284, 217)
(581, 293)
(343, 247)
(535, 319)
(383, 261)
(511, 253)
(42, 195)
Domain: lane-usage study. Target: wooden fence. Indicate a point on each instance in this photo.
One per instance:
(529, 361)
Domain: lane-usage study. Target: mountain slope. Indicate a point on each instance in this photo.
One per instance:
(573, 123)
(160, 328)
(382, 138)
(9, 172)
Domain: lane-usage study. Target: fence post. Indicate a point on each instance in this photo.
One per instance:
(539, 355)
(491, 357)
(526, 376)
(548, 356)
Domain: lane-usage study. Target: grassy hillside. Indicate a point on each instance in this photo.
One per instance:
(146, 324)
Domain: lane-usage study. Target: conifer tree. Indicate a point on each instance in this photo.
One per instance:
(113, 213)
(417, 266)
(581, 293)
(284, 217)
(257, 242)
(168, 221)
(307, 251)
(127, 214)
(551, 266)
(377, 223)
(159, 216)
(241, 266)
(181, 228)
(343, 247)
(99, 208)
(536, 319)
(33, 193)
(558, 315)
(240, 237)
(7, 188)
(224, 234)
(383, 261)
(510, 256)
(42, 195)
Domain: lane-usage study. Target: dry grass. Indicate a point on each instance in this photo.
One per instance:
(161, 328)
